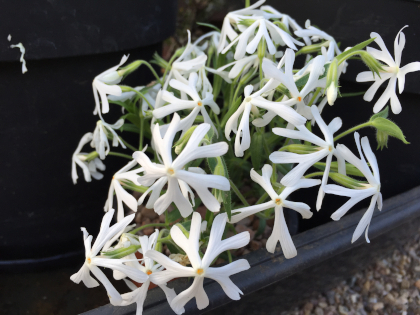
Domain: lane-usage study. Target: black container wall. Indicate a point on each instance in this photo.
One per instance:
(47, 110)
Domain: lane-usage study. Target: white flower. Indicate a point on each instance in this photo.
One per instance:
(200, 268)
(393, 72)
(93, 261)
(288, 21)
(287, 78)
(373, 187)
(250, 103)
(100, 138)
(316, 35)
(278, 201)
(148, 267)
(326, 149)
(150, 95)
(105, 83)
(233, 18)
(264, 26)
(241, 66)
(121, 194)
(89, 168)
(197, 104)
(172, 171)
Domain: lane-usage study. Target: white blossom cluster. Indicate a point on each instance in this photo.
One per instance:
(242, 82)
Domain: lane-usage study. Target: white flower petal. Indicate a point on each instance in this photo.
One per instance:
(281, 234)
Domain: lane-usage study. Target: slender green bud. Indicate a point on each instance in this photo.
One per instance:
(301, 148)
(347, 181)
(310, 49)
(246, 22)
(350, 168)
(282, 26)
(182, 142)
(125, 71)
(121, 252)
(332, 81)
(262, 47)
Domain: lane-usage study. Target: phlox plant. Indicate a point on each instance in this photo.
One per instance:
(229, 108)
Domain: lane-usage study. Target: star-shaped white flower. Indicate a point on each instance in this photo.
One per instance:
(197, 104)
(232, 18)
(250, 103)
(105, 83)
(148, 267)
(90, 169)
(393, 72)
(94, 261)
(316, 34)
(326, 149)
(278, 201)
(121, 194)
(372, 189)
(287, 20)
(288, 79)
(200, 267)
(100, 139)
(172, 171)
(248, 41)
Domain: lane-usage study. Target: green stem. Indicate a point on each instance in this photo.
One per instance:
(314, 96)
(229, 254)
(345, 133)
(141, 130)
(147, 226)
(314, 174)
(247, 3)
(262, 199)
(129, 157)
(128, 145)
(144, 62)
(238, 193)
(128, 88)
(352, 94)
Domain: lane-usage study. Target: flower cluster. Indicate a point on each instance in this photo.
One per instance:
(241, 82)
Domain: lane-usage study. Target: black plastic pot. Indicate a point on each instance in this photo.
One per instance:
(47, 110)
(325, 257)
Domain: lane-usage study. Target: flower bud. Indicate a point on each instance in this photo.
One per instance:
(310, 49)
(121, 252)
(347, 181)
(332, 81)
(125, 71)
(111, 77)
(301, 148)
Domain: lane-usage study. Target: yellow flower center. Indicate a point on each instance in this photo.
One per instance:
(149, 272)
(199, 271)
(330, 148)
(89, 260)
(278, 201)
(199, 103)
(248, 99)
(170, 171)
(299, 98)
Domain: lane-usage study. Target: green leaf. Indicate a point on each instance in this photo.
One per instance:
(383, 114)
(226, 195)
(257, 149)
(389, 128)
(135, 119)
(341, 57)
(174, 215)
(218, 167)
(130, 128)
(129, 106)
(209, 25)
